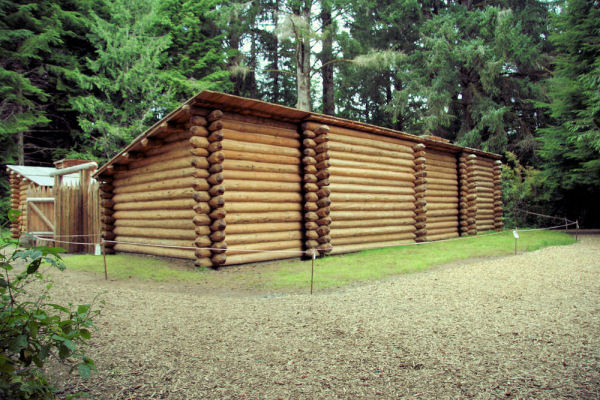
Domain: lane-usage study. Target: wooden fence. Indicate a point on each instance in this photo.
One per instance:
(40, 210)
(77, 216)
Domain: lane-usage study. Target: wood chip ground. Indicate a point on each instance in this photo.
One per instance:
(525, 326)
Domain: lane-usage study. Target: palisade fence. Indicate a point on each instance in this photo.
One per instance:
(77, 213)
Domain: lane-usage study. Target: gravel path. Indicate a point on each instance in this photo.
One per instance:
(526, 326)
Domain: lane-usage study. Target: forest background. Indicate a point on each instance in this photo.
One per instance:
(81, 78)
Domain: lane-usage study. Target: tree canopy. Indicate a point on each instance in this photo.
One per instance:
(520, 78)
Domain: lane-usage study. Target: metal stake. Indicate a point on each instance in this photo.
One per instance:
(104, 257)
(312, 270)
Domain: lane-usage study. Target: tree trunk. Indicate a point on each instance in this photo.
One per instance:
(327, 56)
(275, 56)
(303, 58)
(20, 149)
(234, 43)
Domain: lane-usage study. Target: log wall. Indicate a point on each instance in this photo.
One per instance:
(441, 195)
(372, 185)
(15, 203)
(236, 187)
(148, 197)
(484, 188)
(263, 188)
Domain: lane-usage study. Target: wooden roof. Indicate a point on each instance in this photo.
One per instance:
(258, 108)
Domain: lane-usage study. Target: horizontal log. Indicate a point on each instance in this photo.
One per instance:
(310, 206)
(439, 175)
(370, 215)
(431, 226)
(438, 181)
(337, 233)
(263, 237)
(442, 236)
(438, 231)
(216, 157)
(284, 245)
(339, 146)
(261, 176)
(372, 198)
(266, 217)
(372, 238)
(442, 218)
(453, 193)
(441, 200)
(154, 176)
(260, 128)
(440, 186)
(243, 207)
(154, 241)
(155, 214)
(442, 169)
(259, 256)
(436, 213)
(247, 185)
(441, 156)
(340, 249)
(157, 163)
(185, 224)
(373, 142)
(156, 251)
(370, 182)
(176, 204)
(265, 139)
(267, 197)
(199, 131)
(172, 147)
(159, 233)
(387, 162)
(336, 187)
(371, 166)
(380, 222)
(254, 166)
(234, 145)
(215, 214)
(441, 164)
(364, 206)
(260, 157)
(245, 228)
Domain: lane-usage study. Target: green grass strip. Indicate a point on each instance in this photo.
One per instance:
(330, 272)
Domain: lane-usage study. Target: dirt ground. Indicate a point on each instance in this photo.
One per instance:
(525, 326)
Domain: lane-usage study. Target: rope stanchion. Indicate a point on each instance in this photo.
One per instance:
(312, 253)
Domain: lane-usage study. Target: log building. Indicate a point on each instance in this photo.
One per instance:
(31, 193)
(221, 175)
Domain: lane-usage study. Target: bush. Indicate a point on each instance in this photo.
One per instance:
(32, 329)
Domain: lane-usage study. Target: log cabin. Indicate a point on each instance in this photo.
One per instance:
(225, 180)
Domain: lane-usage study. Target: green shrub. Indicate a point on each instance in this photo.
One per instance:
(32, 329)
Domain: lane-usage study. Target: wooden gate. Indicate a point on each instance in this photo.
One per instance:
(40, 211)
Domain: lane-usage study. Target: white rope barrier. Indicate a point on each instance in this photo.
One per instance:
(308, 252)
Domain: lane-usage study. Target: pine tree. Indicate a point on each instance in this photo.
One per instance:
(195, 58)
(41, 44)
(570, 147)
(129, 90)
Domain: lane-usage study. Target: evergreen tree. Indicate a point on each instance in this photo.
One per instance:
(128, 89)
(472, 75)
(195, 57)
(41, 47)
(570, 147)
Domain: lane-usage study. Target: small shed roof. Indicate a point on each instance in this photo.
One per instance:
(231, 103)
(41, 175)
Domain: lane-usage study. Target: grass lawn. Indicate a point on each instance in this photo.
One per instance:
(330, 272)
